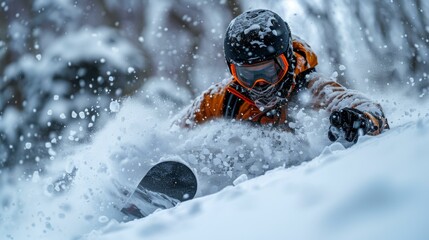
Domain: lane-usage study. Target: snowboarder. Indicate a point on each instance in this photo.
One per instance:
(270, 68)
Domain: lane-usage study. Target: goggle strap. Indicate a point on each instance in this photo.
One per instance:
(241, 96)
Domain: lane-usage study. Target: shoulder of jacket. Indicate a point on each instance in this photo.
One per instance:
(218, 88)
(301, 48)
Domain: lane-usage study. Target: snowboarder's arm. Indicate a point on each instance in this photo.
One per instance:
(206, 107)
(330, 95)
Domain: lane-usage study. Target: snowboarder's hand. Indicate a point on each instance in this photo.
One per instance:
(350, 123)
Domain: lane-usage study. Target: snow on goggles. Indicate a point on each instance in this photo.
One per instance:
(271, 72)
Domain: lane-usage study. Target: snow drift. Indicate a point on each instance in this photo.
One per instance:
(377, 189)
(374, 189)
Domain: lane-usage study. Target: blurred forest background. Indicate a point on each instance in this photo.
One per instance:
(66, 64)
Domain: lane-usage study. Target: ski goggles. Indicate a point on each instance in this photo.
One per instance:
(268, 72)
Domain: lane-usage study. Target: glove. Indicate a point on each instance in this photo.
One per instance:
(350, 123)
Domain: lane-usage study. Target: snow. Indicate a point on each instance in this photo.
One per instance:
(377, 189)
(114, 106)
(28, 145)
(10, 121)
(253, 27)
(261, 25)
(309, 188)
(120, 154)
(380, 179)
(43, 89)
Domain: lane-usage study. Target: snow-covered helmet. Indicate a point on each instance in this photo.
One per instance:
(258, 51)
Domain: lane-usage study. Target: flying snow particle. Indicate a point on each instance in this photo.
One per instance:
(51, 152)
(62, 116)
(271, 49)
(73, 114)
(141, 39)
(206, 170)
(28, 145)
(131, 70)
(342, 67)
(39, 57)
(82, 115)
(186, 18)
(114, 106)
(103, 219)
(240, 179)
(35, 178)
(186, 196)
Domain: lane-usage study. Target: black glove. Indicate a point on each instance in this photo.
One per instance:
(350, 123)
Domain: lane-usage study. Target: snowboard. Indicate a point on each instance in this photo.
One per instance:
(164, 186)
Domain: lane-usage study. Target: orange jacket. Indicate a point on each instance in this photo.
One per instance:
(227, 99)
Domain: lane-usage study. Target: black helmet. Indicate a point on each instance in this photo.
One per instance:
(255, 36)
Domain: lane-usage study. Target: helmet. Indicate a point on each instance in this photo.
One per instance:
(260, 38)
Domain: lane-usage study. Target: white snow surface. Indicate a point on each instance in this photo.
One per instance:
(376, 189)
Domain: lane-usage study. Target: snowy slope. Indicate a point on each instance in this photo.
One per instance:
(338, 192)
(377, 189)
